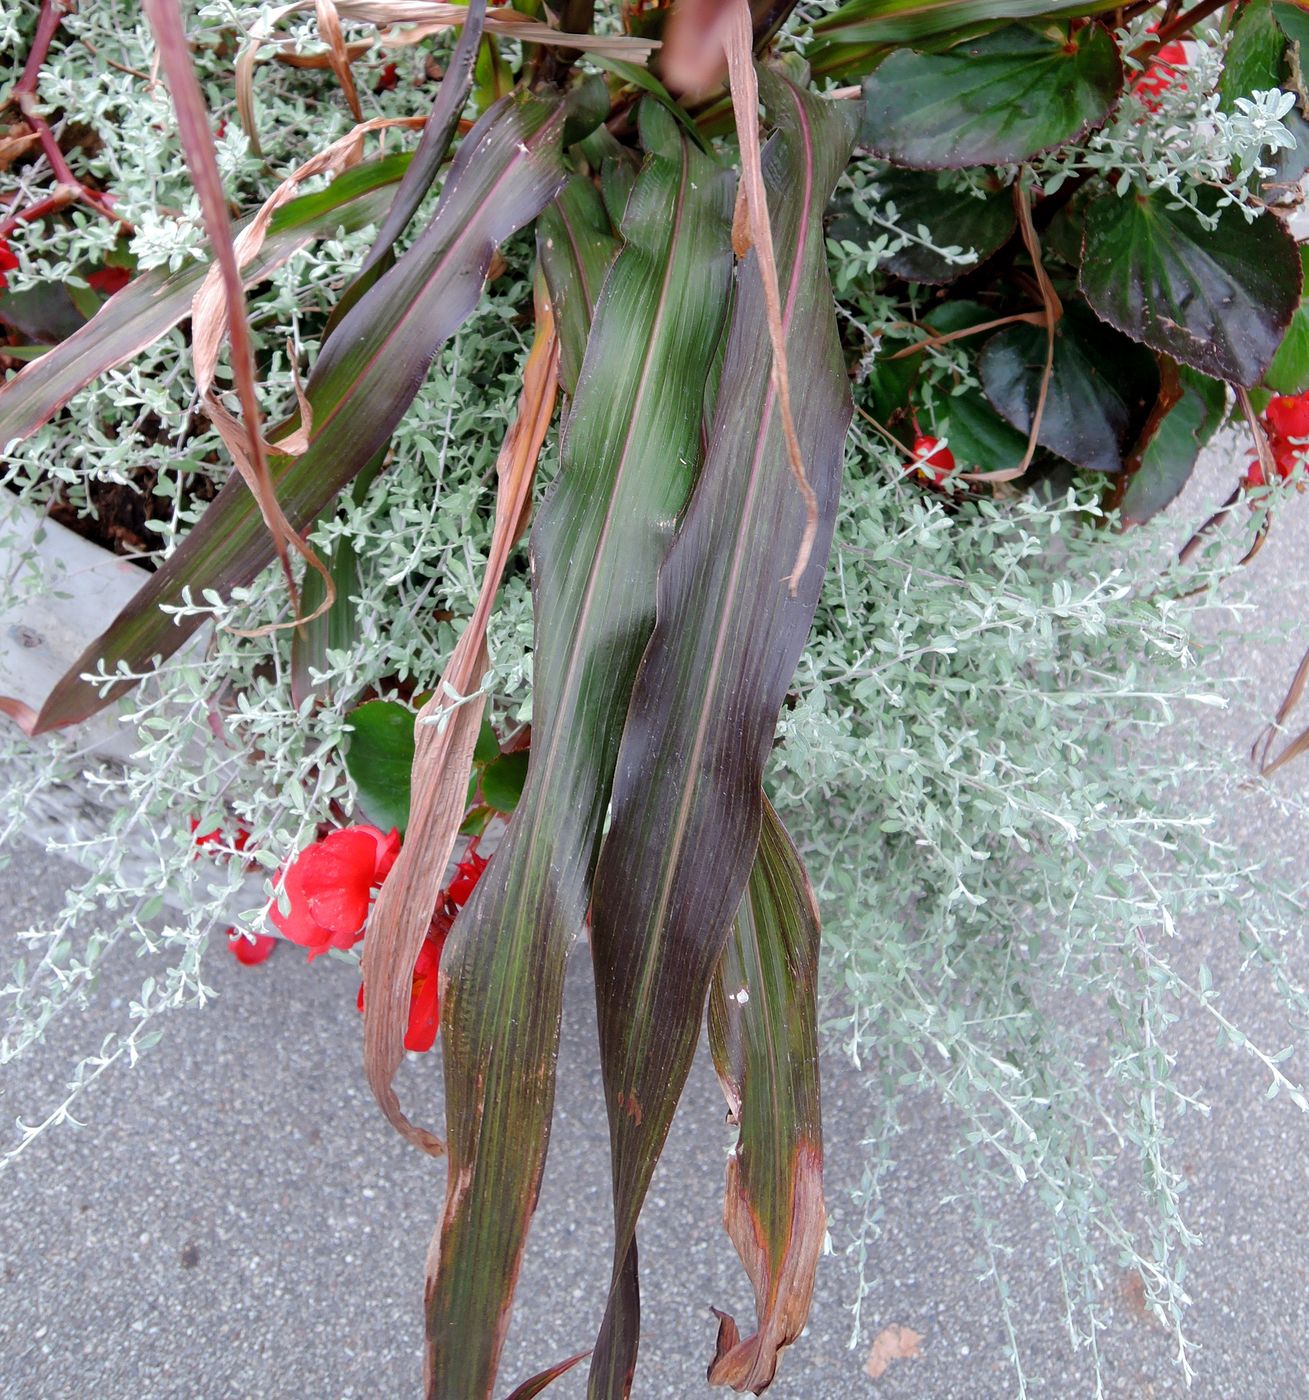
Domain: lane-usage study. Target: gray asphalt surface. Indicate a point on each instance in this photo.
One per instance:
(236, 1220)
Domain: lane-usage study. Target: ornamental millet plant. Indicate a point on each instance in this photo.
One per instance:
(1097, 315)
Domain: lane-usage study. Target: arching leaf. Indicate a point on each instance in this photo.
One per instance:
(630, 452)
(687, 803)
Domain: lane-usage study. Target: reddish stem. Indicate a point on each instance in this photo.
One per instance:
(24, 96)
(1184, 24)
(52, 11)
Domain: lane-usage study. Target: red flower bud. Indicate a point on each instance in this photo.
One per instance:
(250, 948)
(933, 459)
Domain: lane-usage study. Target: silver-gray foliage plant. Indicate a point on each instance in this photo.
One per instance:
(975, 758)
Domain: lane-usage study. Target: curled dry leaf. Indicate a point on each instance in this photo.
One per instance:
(894, 1343)
(209, 307)
(738, 35)
(329, 31)
(244, 440)
(289, 58)
(443, 758)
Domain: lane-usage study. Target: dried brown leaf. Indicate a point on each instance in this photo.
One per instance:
(329, 31)
(209, 307)
(16, 142)
(444, 753)
(1052, 313)
(782, 1300)
(737, 31)
(894, 1343)
(245, 440)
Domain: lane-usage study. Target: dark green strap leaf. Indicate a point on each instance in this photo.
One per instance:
(1101, 390)
(904, 21)
(630, 453)
(998, 100)
(1289, 371)
(366, 376)
(156, 301)
(438, 132)
(763, 1034)
(575, 244)
(1216, 298)
(686, 801)
(538, 1383)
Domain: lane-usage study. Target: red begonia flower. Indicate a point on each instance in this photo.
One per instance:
(1165, 66)
(933, 459)
(467, 873)
(329, 885)
(389, 79)
(217, 836)
(424, 1002)
(8, 262)
(1288, 415)
(109, 279)
(250, 948)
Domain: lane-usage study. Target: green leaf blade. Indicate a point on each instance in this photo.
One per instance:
(763, 1035)
(156, 301)
(1102, 388)
(575, 245)
(686, 802)
(1166, 462)
(365, 378)
(630, 452)
(379, 758)
(905, 21)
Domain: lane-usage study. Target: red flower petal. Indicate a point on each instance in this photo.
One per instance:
(335, 878)
(424, 1002)
(250, 950)
(1288, 415)
(467, 873)
(388, 850)
(109, 279)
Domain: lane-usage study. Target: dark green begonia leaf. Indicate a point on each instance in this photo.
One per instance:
(1219, 300)
(1101, 391)
(1254, 55)
(1289, 371)
(906, 21)
(379, 757)
(1293, 21)
(978, 438)
(1164, 466)
(996, 100)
